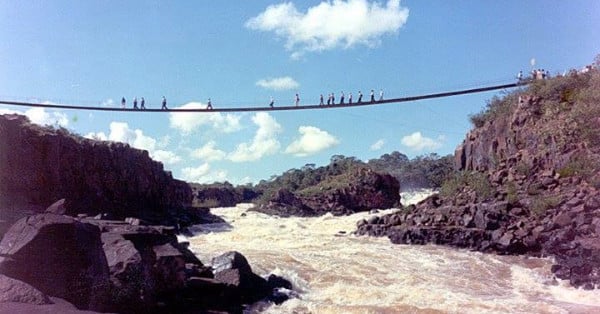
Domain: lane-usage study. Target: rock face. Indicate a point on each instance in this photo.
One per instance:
(530, 184)
(12, 290)
(60, 256)
(361, 190)
(40, 165)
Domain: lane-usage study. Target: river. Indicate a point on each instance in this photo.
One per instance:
(334, 271)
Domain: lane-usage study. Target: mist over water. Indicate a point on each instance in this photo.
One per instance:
(334, 271)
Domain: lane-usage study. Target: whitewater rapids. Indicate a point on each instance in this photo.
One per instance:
(334, 271)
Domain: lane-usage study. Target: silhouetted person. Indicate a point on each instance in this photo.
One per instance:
(342, 99)
(143, 103)
(321, 100)
(359, 97)
(328, 99)
(332, 99)
(209, 105)
(297, 100)
(272, 102)
(372, 96)
(164, 104)
(381, 95)
(123, 103)
(135, 103)
(520, 76)
(350, 98)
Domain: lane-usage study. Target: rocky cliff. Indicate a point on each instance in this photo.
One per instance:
(529, 182)
(40, 165)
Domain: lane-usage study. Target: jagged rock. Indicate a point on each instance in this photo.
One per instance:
(145, 263)
(58, 207)
(12, 290)
(233, 269)
(74, 265)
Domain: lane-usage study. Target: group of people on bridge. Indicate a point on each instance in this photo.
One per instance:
(539, 74)
(331, 99)
(142, 103)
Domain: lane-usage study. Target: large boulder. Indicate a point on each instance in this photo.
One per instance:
(233, 269)
(12, 290)
(60, 256)
(146, 264)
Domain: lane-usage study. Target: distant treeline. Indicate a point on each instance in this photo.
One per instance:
(427, 171)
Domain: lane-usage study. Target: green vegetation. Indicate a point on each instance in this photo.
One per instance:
(475, 181)
(541, 204)
(581, 166)
(496, 107)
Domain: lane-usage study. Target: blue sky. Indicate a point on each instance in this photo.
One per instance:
(241, 53)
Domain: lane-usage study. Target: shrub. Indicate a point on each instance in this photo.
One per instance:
(542, 204)
(496, 107)
(476, 181)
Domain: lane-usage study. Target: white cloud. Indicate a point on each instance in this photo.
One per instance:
(418, 142)
(208, 152)
(311, 141)
(331, 24)
(187, 122)
(278, 83)
(99, 136)
(121, 132)
(166, 157)
(377, 145)
(203, 174)
(264, 142)
(41, 116)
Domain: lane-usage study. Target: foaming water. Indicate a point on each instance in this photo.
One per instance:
(334, 271)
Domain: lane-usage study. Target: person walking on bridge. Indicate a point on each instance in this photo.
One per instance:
(272, 102)
(350, 98)
(372, 96)
(135, 103)
(321, 100)
(209, 105)
(123, 103)
(359, 97)
(342, 98)
(297, 100)
(164, 104)
(381, 95)
(143, 104)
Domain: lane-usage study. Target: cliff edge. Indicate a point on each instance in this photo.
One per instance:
(41, 165)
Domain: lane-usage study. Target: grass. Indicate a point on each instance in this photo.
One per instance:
(541, 204)
(476, 181)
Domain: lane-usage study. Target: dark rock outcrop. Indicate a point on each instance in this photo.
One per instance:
(358, 190)
(60, 256)
(104, 265)
(12, 290)
(40, 165)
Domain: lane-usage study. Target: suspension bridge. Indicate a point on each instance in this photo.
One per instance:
(276, 108)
